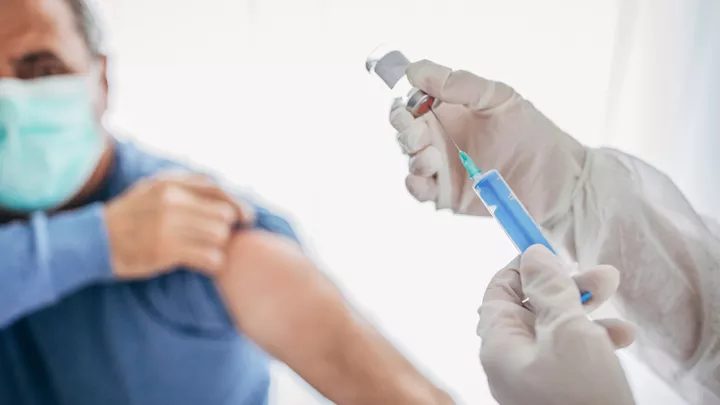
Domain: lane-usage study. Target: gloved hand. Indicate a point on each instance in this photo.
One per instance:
(498, 129)
(555, 355)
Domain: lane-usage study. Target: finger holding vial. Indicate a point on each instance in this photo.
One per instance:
(427, 161)
(390, 65)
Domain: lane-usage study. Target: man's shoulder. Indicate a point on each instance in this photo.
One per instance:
(271, 221)
(136, 163)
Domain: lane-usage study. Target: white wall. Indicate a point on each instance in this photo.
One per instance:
(664, 108)
(274, 94)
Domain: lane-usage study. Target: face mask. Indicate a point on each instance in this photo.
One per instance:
(49, 141)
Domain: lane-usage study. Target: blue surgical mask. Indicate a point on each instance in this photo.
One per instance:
(50, 142)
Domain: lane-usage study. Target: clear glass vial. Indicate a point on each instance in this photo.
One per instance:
(389, 65)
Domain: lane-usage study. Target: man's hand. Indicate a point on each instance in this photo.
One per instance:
(179, 220)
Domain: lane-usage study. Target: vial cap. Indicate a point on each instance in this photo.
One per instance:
(390, 67)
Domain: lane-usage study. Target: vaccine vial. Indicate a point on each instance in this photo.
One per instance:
(389, 65)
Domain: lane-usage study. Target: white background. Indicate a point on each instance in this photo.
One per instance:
(273, 93)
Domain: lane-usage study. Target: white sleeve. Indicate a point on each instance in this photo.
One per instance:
(626, 213)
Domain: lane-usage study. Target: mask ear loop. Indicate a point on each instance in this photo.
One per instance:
(9, 136)
(93, 78)
(9, 118)
(94, 83)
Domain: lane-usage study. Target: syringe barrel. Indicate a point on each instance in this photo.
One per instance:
(508, 211)
(512, 216)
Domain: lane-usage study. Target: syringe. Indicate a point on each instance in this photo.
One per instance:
(507, 210)
(494, 192)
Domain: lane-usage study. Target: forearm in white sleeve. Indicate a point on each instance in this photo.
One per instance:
(626, 213)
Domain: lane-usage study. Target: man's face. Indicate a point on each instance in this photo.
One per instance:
(40, 38)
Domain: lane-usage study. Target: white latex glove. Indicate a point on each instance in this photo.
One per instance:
(498, 129)
(596, 205)
(555, 355)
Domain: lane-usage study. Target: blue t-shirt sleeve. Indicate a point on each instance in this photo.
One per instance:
(270, 222)
(188, 301)
(47, 258)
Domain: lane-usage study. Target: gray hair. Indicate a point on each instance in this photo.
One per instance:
(88, 25)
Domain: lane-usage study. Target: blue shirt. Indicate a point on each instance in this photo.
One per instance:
(71, 335)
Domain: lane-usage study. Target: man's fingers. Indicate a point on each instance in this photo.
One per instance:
(620, 332)
(602, 281)
(458, 87)
(178, 175)
(209, 260)
(201, 185)
(199, 207)
(244, 212)
(554, 295)
(201, 230)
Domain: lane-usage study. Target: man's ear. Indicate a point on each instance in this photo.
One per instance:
(103, 73)
(101, 104)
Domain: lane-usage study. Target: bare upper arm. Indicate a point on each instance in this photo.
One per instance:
(271, 288)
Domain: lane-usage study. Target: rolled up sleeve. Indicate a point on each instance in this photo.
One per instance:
(188, 301)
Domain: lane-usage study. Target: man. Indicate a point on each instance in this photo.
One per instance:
(121, 284)
(598, 206)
